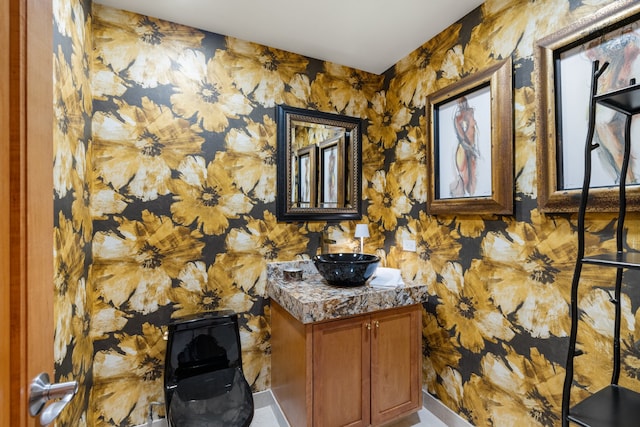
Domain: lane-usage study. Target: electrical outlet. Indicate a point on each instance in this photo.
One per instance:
(408, 245)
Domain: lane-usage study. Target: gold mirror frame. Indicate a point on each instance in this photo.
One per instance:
(344, 173)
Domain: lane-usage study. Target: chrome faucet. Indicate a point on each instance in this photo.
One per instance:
(326, 241)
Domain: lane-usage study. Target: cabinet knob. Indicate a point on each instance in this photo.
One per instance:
(368, 325)
(377, 324)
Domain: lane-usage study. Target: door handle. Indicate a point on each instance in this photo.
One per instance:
(41, 391)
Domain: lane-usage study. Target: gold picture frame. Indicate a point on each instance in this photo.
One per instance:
(563, 63)
(331, 161)
(306, 172)
(470, 144)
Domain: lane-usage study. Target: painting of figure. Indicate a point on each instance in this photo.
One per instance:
(464, 145)
(621, 49)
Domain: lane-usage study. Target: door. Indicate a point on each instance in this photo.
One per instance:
(341, 382)
(395, 363)
(26, 209)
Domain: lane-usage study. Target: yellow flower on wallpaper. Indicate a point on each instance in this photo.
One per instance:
(474, 406)
(206, 194)
(68, 124)
(417, 72)
(105, 319)
(453, 64)
(519, 390)
(299, 92)
(343, 235)
(372, 158)
(597, 351)
(82, 357)
(104, 200)
(140, 48)
(137, 147)
(525, 127)
(62, 19)
(260, 241)
(632, 231)
(80, 207)
(254, 339)
(411, 88)
(630, 357)
(134, 266)
(504, 29)
(595, 336)
(75, 413)
(80, 61)
(207, 289)
(469, 225)
(68, 279)
(413, 268)
(387, 202)
(262, 72)
(349, 90)
(136, 366)
(466, 306)
(450, 388)
(522, 267)
(438, 349)
(597, 312)
(205, 89)
(387, 116)
(410, 166)
(436, 245)
(251, 158)
(105, 83)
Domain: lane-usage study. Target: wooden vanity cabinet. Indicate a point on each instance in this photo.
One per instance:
(356, 371)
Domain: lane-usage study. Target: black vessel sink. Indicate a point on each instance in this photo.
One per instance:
(346, 269)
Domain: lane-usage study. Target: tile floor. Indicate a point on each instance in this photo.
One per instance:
(266, 417)
(267, 414)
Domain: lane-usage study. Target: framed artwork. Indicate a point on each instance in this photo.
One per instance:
(331, 179)
(564, 62)
(470, 144)
(306, 183)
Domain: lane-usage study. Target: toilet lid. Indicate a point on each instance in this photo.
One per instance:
(220, 398)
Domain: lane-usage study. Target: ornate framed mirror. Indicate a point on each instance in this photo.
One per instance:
(319, 165)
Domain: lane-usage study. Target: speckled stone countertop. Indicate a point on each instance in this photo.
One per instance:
(313, 300)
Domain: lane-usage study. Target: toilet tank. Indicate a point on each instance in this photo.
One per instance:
(201, 343)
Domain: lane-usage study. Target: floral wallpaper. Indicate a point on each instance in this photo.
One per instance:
(73, 226)
(183, 157)
(495, 328)
(164, 176)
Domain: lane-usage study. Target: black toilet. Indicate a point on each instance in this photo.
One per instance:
(203, 381)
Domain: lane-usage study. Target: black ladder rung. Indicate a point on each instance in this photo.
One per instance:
(617, 260)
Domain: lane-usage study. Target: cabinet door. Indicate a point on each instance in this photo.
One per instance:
(291, 366)
(341, 381)
(395, 363)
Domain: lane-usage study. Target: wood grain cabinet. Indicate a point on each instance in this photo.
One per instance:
(357, 371)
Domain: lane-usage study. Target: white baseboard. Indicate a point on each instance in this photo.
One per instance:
(156, 423)
(440, 410)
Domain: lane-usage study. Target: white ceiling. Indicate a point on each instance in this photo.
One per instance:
(370, 35)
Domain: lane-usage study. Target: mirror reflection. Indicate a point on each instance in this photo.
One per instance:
(319, 157)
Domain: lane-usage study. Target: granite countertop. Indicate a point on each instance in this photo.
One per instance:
(312, 300)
